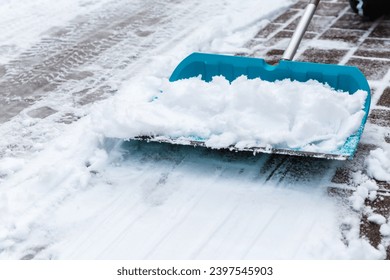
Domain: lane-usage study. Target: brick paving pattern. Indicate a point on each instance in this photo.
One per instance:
(336, 35)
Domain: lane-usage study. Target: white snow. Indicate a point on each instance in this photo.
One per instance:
(385, 230)
(363, 191)
(246, 113)
(9, 165)
(78, 195)
(378, 164)
(377, 219)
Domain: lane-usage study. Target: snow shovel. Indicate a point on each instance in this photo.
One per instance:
(345, 78)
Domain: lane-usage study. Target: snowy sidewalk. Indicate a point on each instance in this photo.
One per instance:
(69, 191)
(338, 36)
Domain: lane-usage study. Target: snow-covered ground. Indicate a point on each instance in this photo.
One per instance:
(69, 192)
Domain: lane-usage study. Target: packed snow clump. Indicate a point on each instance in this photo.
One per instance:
(377, 219)
(246, 113)
(363, 191)
(378, 164)
(385, 229)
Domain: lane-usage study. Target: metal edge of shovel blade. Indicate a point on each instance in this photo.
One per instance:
(254, 150)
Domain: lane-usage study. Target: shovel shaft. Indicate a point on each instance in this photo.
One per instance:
(299, 32)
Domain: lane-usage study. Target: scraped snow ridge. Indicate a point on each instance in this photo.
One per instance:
(246, 113)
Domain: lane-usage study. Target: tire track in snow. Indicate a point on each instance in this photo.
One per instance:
(138, 27)
(56, 92)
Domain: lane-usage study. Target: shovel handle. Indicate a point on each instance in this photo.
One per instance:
(300, 30)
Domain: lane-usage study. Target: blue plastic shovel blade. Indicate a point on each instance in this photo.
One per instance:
(345, 78)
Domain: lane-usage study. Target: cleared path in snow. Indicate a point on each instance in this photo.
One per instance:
(191, 203)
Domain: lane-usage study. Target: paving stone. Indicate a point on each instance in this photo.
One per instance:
(285, 17)
(372, 47)
(299, 5)
(343, 175)
(375, 44)
(253, 45)
(373, 53)
(268, 30)
(288, 34)
(384, 100)
(380, 117)
(273, 56)
(373, 69)
(318, 24)
(349, 36)
(352, 21)
(330, 8)
(339, 192)
(382, 30)
(381, 205)
(283, 37)
(42, 112)
(370, 231)
(322, 56)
